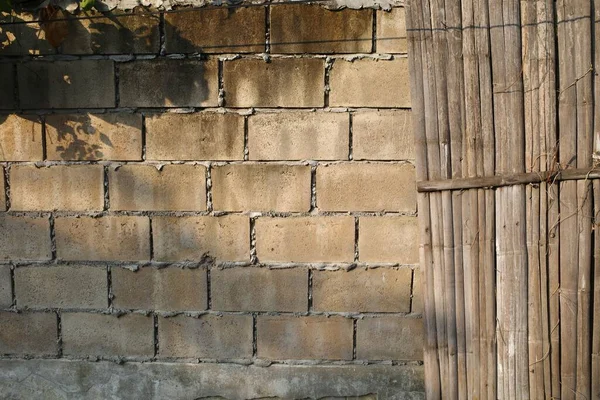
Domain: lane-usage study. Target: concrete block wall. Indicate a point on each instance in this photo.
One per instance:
(214, 187)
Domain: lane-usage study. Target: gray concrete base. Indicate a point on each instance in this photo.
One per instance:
(63, 379)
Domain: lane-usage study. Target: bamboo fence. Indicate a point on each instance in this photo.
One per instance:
(504, 116)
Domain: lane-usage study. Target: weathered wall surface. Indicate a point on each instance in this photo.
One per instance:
(216, 202)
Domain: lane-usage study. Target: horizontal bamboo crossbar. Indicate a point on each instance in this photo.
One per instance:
(508, 180)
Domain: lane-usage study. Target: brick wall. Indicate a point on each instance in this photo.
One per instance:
(232, 188)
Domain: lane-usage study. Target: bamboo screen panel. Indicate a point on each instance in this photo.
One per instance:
(505, 115)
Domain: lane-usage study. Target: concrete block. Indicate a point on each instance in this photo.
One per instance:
(21, 138)
(366, 187)
(389, 239)
(7, 86)
(169, 83)
(5, 287)
(111, 136)
(24, 238)
(85, 334)
(362, 290)
(224, 238)
(301, 28)
(2, 190)
(290, 82)
(67, 84)
(58, 187)
(134, 34)
(298, 136)
(390, 338)
(305, 239)
(28, 333)
(145, 188)
(61, 286)
(209, 336)
(417, 292)
(164, 289)
(261, 187)
(383, 135)
(23, 39)
(259, 289)
(391, 31)
(216, 30)
(200, 136)
(307, 338)
(109, 238)
(370, 83)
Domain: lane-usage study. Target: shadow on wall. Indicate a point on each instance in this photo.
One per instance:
(158, 82)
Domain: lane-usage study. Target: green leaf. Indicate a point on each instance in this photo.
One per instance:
(85, 5)
(5, 6)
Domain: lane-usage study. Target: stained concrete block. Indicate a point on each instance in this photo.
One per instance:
(301, 28)
(216, 30)
(366, 187)
(23, 39)
(118, 238)
(200, 136)
(58, 187)
(133, 34)
(61, 286)
(26, 379)
(110, 136)
(314, 337)
(5, 287)
(210, 336)
(362, 290)
(168, 83)
(7, 87)
(298, 136)
(305, 239)
(24, 238)
(259, 289)
(29, 333)
(67, 84)
(164, 289)
(391, 31)
(146, 188)
(20, 138)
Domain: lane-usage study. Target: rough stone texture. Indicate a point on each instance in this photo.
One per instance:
(390, 338)
(261, 187)
(366, 187)
(224, 238)
(145, 187)
(200, 136)
(391, 31)
(209, 336)
(165, 289)
(314, 337)
(388, 239)
(169, 83)
(59, 187)
(298, 136)
(216, 30)
(62, 286)
(364, 290)
(24, 380)
(383, 135)
(123, 35)
(259, 289)
(67, 84)
(5, 287)
(7, 85)
(305, 239)
(102, 335)
(28, 334)
(112, 136)
(289, 82)
(23, 39)
(118, 238)
(29, 238)
(20, 138)
(301, 28)
(2, 190)
(370, 83)
(417, 296)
